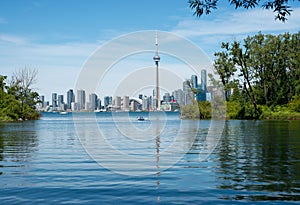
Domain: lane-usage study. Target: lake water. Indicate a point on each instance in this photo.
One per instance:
(115, 159)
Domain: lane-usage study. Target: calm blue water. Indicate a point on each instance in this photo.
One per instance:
(44, 161)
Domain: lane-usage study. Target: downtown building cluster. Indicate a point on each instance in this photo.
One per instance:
(80, 101)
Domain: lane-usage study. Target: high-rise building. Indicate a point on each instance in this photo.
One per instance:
(188, 95)
(42, 99)
(81, 99)
(203, 79)
(54, 100)
(167, 97)
(201, 94)
(125, 104)
(99, 106)
(185, 87)
(93, 99)
(60, 100)
(107, 101)
(70, 98)
(194, 81)
(150, 106)
(145, 104)
(117, 102)
(179, 96)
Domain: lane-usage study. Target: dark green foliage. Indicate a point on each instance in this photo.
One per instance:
(263, 71)
(280, 7)
(16, 104)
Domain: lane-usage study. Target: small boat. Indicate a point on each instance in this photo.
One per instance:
(140, 118)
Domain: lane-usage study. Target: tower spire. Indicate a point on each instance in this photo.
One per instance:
(156, 59)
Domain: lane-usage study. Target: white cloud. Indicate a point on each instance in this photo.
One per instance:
(238, 22)
(4, 38)
(57, 64)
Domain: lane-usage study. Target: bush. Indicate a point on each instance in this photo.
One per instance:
(294, 105)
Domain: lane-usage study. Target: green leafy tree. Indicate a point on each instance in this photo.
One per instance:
(225, 68)
(263, 70)
(9, 106)
(21, 87)
(281, 8)
(18, 100)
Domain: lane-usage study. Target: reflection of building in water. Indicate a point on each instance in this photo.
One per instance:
(157, 155)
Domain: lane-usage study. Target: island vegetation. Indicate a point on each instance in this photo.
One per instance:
(17, 98)
(260, 76)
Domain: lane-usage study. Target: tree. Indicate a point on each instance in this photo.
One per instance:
(9, 106)
(280, 7)
(225, 68)
(21, 87)
(264, 67)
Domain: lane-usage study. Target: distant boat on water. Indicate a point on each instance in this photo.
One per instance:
(140, 118)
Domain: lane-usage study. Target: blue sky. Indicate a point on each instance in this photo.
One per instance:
(57, 37)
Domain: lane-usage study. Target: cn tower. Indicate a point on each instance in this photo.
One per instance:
(156, 59)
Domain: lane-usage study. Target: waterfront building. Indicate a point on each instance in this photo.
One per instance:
(93, 98)
(187, 94)
(194, 81)
(179, 96)
(202, 89)
(54, 100)
(81, 99)
(203, 80)
(99, 106)
(170, 106)
(75, 106)
(70, 98)
(93, 102)
(107, 102)
(60, 100)
(145, 104)
(125, 104)
(117, 103)
(42, 99)
(167, 97)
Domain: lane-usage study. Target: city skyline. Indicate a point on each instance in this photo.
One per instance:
(57, 44)
(83, 101)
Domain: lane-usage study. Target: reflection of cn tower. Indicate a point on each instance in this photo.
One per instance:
(156, 59)
(157, 142)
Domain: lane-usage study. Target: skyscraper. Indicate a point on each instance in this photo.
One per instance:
(203, 80)
(187, 94)
(107, 101)
(167, 97)
(125, 106)
(70, 98)
(179, 96)
(194, 81)
(93, 98)
(60, 101)
(54, 100)
(81, 99)
(42, 99)
(117, 103)
(202, 94)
